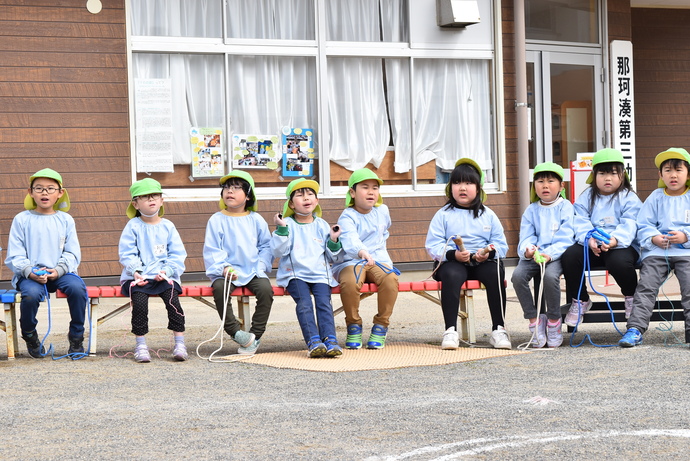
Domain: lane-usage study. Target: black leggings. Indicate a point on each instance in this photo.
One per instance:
(619, 262)
(140, 311)
(452, 275)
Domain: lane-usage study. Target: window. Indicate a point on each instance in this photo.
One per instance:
(345, 69)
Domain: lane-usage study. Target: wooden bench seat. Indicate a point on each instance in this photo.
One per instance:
(426, 289)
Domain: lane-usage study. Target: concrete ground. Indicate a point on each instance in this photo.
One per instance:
(567, 403)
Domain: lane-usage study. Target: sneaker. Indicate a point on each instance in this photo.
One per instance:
(631, 338)
(450, 340)
(377, 338)
(354, 336)
(251, 349)
(539, 336)
(141, 354)
(33, 345)
(180, 352)
(316, 347)
(628, 306)
(500, 339)
(76, 345)
(332, 347)
(577, 308)
(244, 338)
(554, 334)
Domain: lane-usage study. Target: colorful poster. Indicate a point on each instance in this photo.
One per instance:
(298, 152)
(254, 151)
(207, 152)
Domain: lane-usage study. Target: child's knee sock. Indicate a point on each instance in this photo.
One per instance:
(179, 339)
(141, 340)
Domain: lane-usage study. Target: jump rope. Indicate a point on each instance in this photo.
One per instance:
(460, 246)
(600, 235)
(51, 349)
(112, 353)
(226, 299)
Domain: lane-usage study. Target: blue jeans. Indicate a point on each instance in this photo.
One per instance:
(301, 292)
(33, 293)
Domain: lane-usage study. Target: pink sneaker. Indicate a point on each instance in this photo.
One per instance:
(538, 336)
(577, 308)
(554, 335)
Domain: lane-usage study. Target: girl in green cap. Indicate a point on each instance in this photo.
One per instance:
(477, 257)
(152, 256)
(609, 204)
(307, 246)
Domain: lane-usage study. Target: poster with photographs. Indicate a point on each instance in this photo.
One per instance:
(207, 152)
(298, 152)
(254, 151)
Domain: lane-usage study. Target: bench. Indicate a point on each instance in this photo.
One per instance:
(242, 295)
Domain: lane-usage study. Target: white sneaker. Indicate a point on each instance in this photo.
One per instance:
(141, 354)
(577, 308)
(500, 339)
(450, 340)
(539, 337)
(554, 334)
(628, 306)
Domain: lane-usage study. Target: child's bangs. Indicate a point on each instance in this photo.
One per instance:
(303, 191)
(674, 163)
(547, 175)
(610, 167)
(465, 173)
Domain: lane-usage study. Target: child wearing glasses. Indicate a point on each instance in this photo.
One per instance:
(152, 256)
(237, 253)
(43, 252)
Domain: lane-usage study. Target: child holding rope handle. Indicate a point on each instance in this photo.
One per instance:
(546, 231)
(307, 246)
(475, 254)
(364, 228)
(43, 253)
(664, 230)
(605, 221)
(152, 256)
(237, 252)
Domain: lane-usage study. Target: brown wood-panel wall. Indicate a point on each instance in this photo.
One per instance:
(661, 54)
(64, 105)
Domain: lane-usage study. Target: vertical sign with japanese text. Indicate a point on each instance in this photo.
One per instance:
(623, 104)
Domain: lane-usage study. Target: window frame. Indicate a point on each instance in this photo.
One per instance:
(310, 48)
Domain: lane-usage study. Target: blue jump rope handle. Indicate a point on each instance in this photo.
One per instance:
(600, 234)
(40, 272)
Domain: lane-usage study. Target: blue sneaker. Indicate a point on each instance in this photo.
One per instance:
(354, 336)
(631, 338)
(332, 348)
(377, 339)
(316, 347)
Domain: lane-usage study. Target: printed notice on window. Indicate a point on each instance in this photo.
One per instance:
(153, 113)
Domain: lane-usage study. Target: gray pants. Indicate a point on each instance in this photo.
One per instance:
(652, 274)
(527, 270)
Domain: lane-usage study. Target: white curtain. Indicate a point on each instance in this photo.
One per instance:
(271, 19)
(268, 93)
(177, 18)
(198, 93)
(452, 113)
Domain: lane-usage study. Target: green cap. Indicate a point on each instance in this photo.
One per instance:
(62, 204)
(144, 186)
(357, 176)
(475, 165)
(297, 184)
(607, 155)
(673, 152)
(242, 175)
(542, 167)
